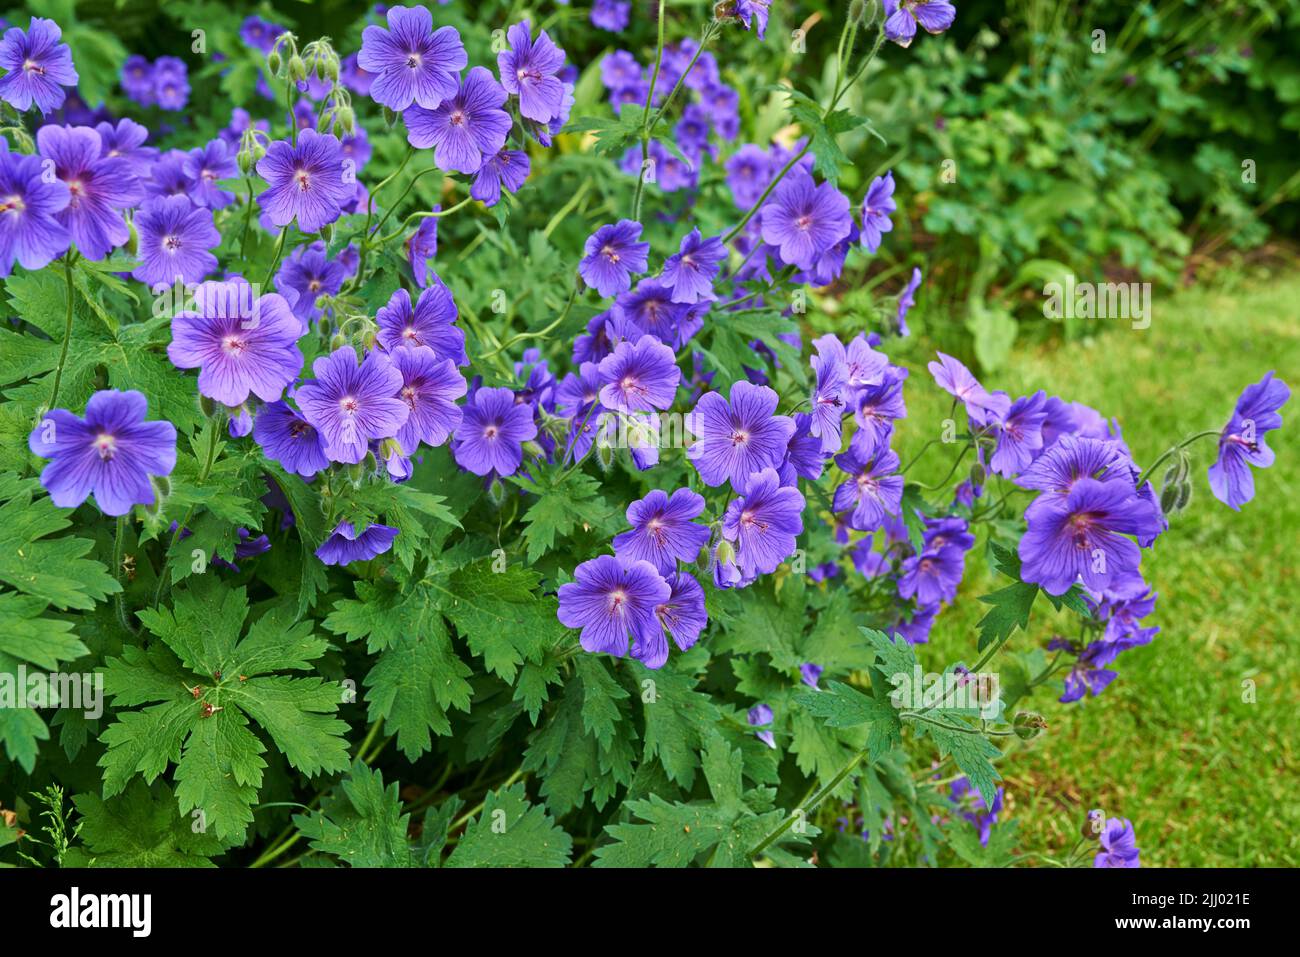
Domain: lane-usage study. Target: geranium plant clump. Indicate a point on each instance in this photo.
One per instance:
(524, 492)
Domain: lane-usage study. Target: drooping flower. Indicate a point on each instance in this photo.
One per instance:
(906, 300)
(351, 404)
(410, 62)
(240, 347)
(609, 600)
(810, 673)
(175, 242)
(345, 546)
(430, 387)
(492, 432)
(612, 255)
(111, 453)
(764, 523)
(876, 207)
(30, 231)
(933, 576)
(760, 716)
(1081, 535)
(204, 168)
(423, 246)
(528, 70)
(753, 14)
(508, 168)
(828, 399)
(959, 382)
(902, 16)
(804, 219)
(1241, 443)
(98, 187)
(878, 406)
(465, 127)
(306, 181)
(866, 365)
(663, 532)
(874, 488)
(431, 323)
(683, 615)
(639, 377)
(38, 66)
(286, 437)
(737, 438)
(691, 270)
(1118, 845)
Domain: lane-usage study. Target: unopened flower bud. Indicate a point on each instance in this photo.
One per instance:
(207, 407)
(1093, 824)
(338, 341)
(162, 487)
(605, 455)
(297, 68)
(856, 9)
(274, 61)
(532, 448)
(246, 162)
(1169, 498)
(978, 475)
(496, 492)
(1028, 724)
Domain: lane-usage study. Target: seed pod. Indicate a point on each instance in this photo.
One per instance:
(1028, 724)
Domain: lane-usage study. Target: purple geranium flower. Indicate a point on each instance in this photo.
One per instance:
(175, 244)
(204, 167)
(98, 187)
(171, 83)
(30, 230)
(873, 488)
(650, 308)
(803, 455)
(1081, 535)
(1020, 435)
(906, 300)
(240, 347)
(876, 207)
(748, 172)
(306, 181)
(38, 65)
(306, 275)
(528, 69)
(810, 673)
(610, 598)
(112, 452)
(639, 377)
(662, 531)
(508, 168)
(464, 128)
(933, 576)
(613, 255)
(1241, 443)
(126, 140)
(492, 432)
(137, 80)
(690, 272)
(430, 387)
(611, 15)
(352, 404)
(804, 219)
(286, 437)
(958, 381)
(345, 546)
(1118, 845)
(683, 615)
(764, 523)
(1070, 459)
(431, 323)
(902, 16)
(737, 438)
(410, 61)
(259, 34)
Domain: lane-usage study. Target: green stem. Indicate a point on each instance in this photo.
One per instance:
(432, 214)
(645, 119)
(802, 811)
(119, 600)
(541, 333)
(248, 219)
(67, 328)
(398, 202)
(279, 249)
(1147, 473)
(209, 461)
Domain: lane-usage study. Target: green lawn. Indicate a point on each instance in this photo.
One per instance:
(1206, 778)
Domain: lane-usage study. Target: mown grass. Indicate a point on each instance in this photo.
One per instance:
(1207, 778)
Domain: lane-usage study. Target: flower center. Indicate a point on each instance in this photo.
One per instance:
(349, 405)
(413, 61)
(303, 179)
(457, 117)
(804, 222)
(106, 446)
(314, 285)
(490, 432)
(171, 243)
(31, 66)
(410, 394)
(233, 345)
(617, 598)
(409, 334)
(739, 437)
(299, 429)
(12, 204)
(610, 253)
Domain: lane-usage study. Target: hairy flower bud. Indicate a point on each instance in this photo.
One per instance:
(1028, 724)
(297, 68)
